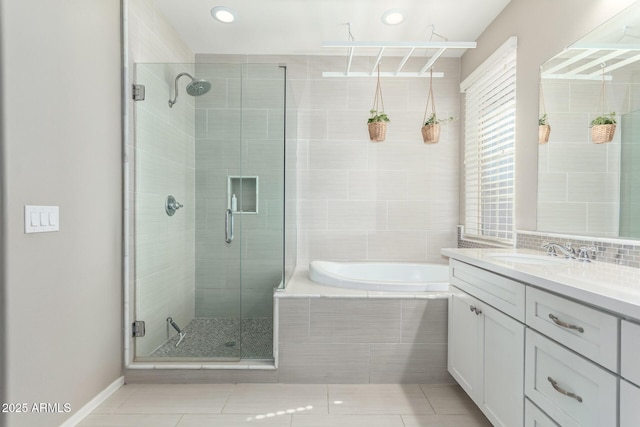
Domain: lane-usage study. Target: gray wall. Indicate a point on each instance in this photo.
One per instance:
(543, 28)
(61, 142)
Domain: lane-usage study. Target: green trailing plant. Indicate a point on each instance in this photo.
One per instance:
(434, 120)
(377, 117)
(543, 120)
(605, 119)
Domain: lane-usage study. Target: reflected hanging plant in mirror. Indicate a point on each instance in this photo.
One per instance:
(544, 129)
(603, 128)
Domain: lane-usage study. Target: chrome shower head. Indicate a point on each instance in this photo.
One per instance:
(196, 87)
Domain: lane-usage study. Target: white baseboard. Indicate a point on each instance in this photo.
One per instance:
(93, 403)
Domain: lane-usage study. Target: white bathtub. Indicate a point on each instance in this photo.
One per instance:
(381, 276)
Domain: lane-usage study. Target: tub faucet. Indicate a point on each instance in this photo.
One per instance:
(553, 249)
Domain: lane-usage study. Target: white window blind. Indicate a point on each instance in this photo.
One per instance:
(489, 153)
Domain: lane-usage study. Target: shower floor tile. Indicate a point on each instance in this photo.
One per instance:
(232, 338)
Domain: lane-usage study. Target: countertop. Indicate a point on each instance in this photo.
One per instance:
(612, 287)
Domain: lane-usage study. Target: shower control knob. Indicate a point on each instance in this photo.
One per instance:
(171, 205)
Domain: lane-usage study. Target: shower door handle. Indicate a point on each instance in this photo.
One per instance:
(228, 226)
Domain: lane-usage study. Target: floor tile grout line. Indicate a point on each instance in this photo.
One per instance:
(226, 402)
(179, 420)
(328, 400)
(424, 393)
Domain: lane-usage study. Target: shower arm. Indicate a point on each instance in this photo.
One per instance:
(175, 99)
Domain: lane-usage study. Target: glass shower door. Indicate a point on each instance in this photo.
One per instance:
(187, 257)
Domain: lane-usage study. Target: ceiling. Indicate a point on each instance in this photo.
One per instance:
(298, 27)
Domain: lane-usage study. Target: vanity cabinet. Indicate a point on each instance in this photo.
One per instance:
(630, 372)
(529, 355)
(570, 389)
(534, 417)
(629, 404)
(486, 346)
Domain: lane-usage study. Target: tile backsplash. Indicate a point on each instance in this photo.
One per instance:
(621, 252)
(607, 250)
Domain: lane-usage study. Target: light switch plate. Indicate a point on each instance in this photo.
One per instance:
(41, 219)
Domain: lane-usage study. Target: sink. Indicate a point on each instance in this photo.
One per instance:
(528, 259)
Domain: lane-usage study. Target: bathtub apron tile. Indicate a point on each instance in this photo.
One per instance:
(293, 319)
(409, 363)
(424, 321)
(323, 363)
(340, 320)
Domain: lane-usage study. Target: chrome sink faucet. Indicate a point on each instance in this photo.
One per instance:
(554, 249)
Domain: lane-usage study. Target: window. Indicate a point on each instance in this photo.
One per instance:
(489, 147)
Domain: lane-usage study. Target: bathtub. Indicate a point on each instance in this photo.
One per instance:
(381, 276)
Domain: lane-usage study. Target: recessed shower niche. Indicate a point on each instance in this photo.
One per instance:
(242, 194)
(202, 298)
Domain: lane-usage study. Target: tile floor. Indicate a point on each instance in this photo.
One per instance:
(290, 405)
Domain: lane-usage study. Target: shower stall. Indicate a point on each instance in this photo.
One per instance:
(207, 210)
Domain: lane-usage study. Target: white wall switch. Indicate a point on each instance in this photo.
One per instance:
(41, 219)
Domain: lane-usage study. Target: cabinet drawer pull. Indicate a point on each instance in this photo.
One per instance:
(562, 391)
(565, 324)
(475, 309)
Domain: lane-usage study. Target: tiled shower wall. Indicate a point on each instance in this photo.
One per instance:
(160, 162)
(239, 131)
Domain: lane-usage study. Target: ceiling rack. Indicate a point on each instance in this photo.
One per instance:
(410, 47)
(593, 69)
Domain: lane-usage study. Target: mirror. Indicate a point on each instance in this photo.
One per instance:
(584, 187)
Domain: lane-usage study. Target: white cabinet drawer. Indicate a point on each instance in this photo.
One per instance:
(629, 351)
(500, 292)
(570, 389)
(629, 404)
(588, 331)
(534, 417)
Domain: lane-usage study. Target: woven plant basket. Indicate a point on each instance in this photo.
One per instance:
(602, 133)
(543, 133)
(377, 131)
(431, 133)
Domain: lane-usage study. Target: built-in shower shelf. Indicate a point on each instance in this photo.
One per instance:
(409, 48)
(245, 190)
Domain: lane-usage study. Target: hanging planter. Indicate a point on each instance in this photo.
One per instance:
(603, 127)
(431, 126)
(544, 129)
(377, 123)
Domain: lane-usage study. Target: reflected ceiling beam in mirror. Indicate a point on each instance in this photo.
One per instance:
(574, 74)
(597, 62)
(570, 61)
(617, 65)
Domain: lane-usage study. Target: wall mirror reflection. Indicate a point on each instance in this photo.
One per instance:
(588, 185)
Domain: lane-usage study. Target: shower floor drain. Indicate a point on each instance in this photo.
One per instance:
(230, 343)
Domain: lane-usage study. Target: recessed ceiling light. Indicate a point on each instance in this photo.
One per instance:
(223, 14)
(392, 17)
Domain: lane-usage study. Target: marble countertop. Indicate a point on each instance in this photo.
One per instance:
(611, 287)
